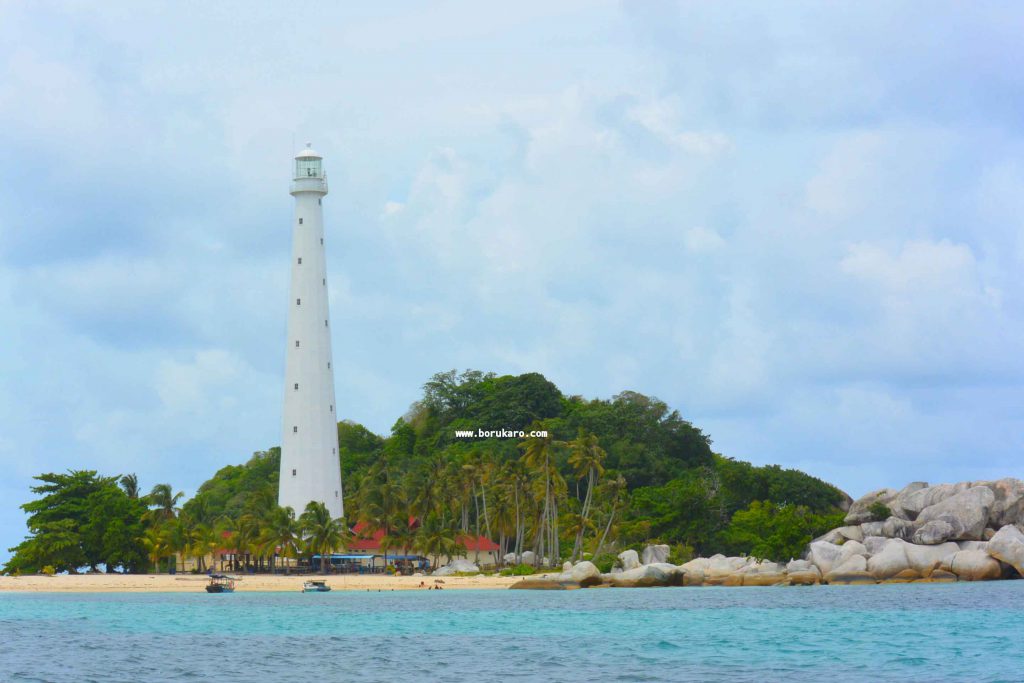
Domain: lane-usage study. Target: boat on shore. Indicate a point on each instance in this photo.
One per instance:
(221, 583)
(315, 587)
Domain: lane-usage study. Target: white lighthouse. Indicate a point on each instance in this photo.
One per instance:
(310, 468)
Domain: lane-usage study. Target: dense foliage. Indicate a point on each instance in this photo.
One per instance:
(608, 474)
(81, 520)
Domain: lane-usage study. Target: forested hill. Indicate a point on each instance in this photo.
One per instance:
(651, 475)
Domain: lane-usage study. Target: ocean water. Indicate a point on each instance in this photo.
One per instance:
(929, 632)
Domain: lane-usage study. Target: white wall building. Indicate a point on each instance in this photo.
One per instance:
(310, 468)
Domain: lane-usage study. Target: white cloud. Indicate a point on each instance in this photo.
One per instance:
(700, 239)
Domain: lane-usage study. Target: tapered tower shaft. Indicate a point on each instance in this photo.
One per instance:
(310, 467)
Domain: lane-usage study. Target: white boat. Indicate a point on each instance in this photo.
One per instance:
(315, 587)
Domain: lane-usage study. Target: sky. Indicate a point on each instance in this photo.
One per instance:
(800, 224)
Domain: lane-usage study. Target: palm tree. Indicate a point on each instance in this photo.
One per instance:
(157, 546)
(323, 534)
(586, 458)
(164, 501)
(435, 538)
(178, 537)
(537, 457)
(382, 500)
(281, 533)
(130, 484)
(613, 490)
(245, 534)
(203, 540)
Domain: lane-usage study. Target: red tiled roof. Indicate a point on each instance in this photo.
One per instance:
(371, 542)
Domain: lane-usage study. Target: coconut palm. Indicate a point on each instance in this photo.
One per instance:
(586, 458)
(245, 535)
(382, 500)
(435, 538)
(323, 534)
(204, 540)
(130, 484)
(157, 547)
(537, 457)
(281, 534)
(613, 492)
(164, 502)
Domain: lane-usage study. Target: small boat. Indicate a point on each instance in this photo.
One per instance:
(315, 587)
(219, 583)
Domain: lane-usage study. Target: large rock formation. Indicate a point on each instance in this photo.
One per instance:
(629, 560)
(1008, 507)
(967, 512)
(654, 554)
(860, 510)
(972, 565)
(1008, 546)
(934, 534)
(457, 567)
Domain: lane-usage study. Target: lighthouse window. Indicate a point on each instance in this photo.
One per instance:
(333, 451)
(298, 302)
(293, 473)
(335, 494)
(328, 365)
(300, 260)
(321, 240)
(300, 221)
(325, 281)
(295, 430)
(296, 386)
(320, 202)
(296, 343)
(332, 407)
(325, 323)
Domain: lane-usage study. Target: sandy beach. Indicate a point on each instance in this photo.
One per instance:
(112, 583)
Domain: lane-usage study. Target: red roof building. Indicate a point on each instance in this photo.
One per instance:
(365, 542)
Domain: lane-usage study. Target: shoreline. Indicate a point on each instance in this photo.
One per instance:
(258, 583)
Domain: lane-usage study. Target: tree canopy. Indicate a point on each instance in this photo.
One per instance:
(611, 473)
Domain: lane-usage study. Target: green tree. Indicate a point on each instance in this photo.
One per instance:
(586, 457)
(80, 519)
(323, 534)
(282, 534)
(768, 530)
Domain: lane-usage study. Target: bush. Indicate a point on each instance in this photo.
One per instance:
(48, 570)
(605, 562)
(680, 554)
(879, 511)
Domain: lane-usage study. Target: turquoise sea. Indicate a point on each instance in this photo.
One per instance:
(954, 632)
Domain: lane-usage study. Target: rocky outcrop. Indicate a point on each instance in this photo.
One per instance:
(934, 534)
(967, 512)
(645, 576)
(924, 559)
(889, 561)
(860, 510)
(655, 554)
(629, 560)
(1008, 506)
(972, 565)
(581, 575)
(853, 571)
(457, 567)
(762, 574)
(802, 573)
(915, 498)
(1008, 546)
